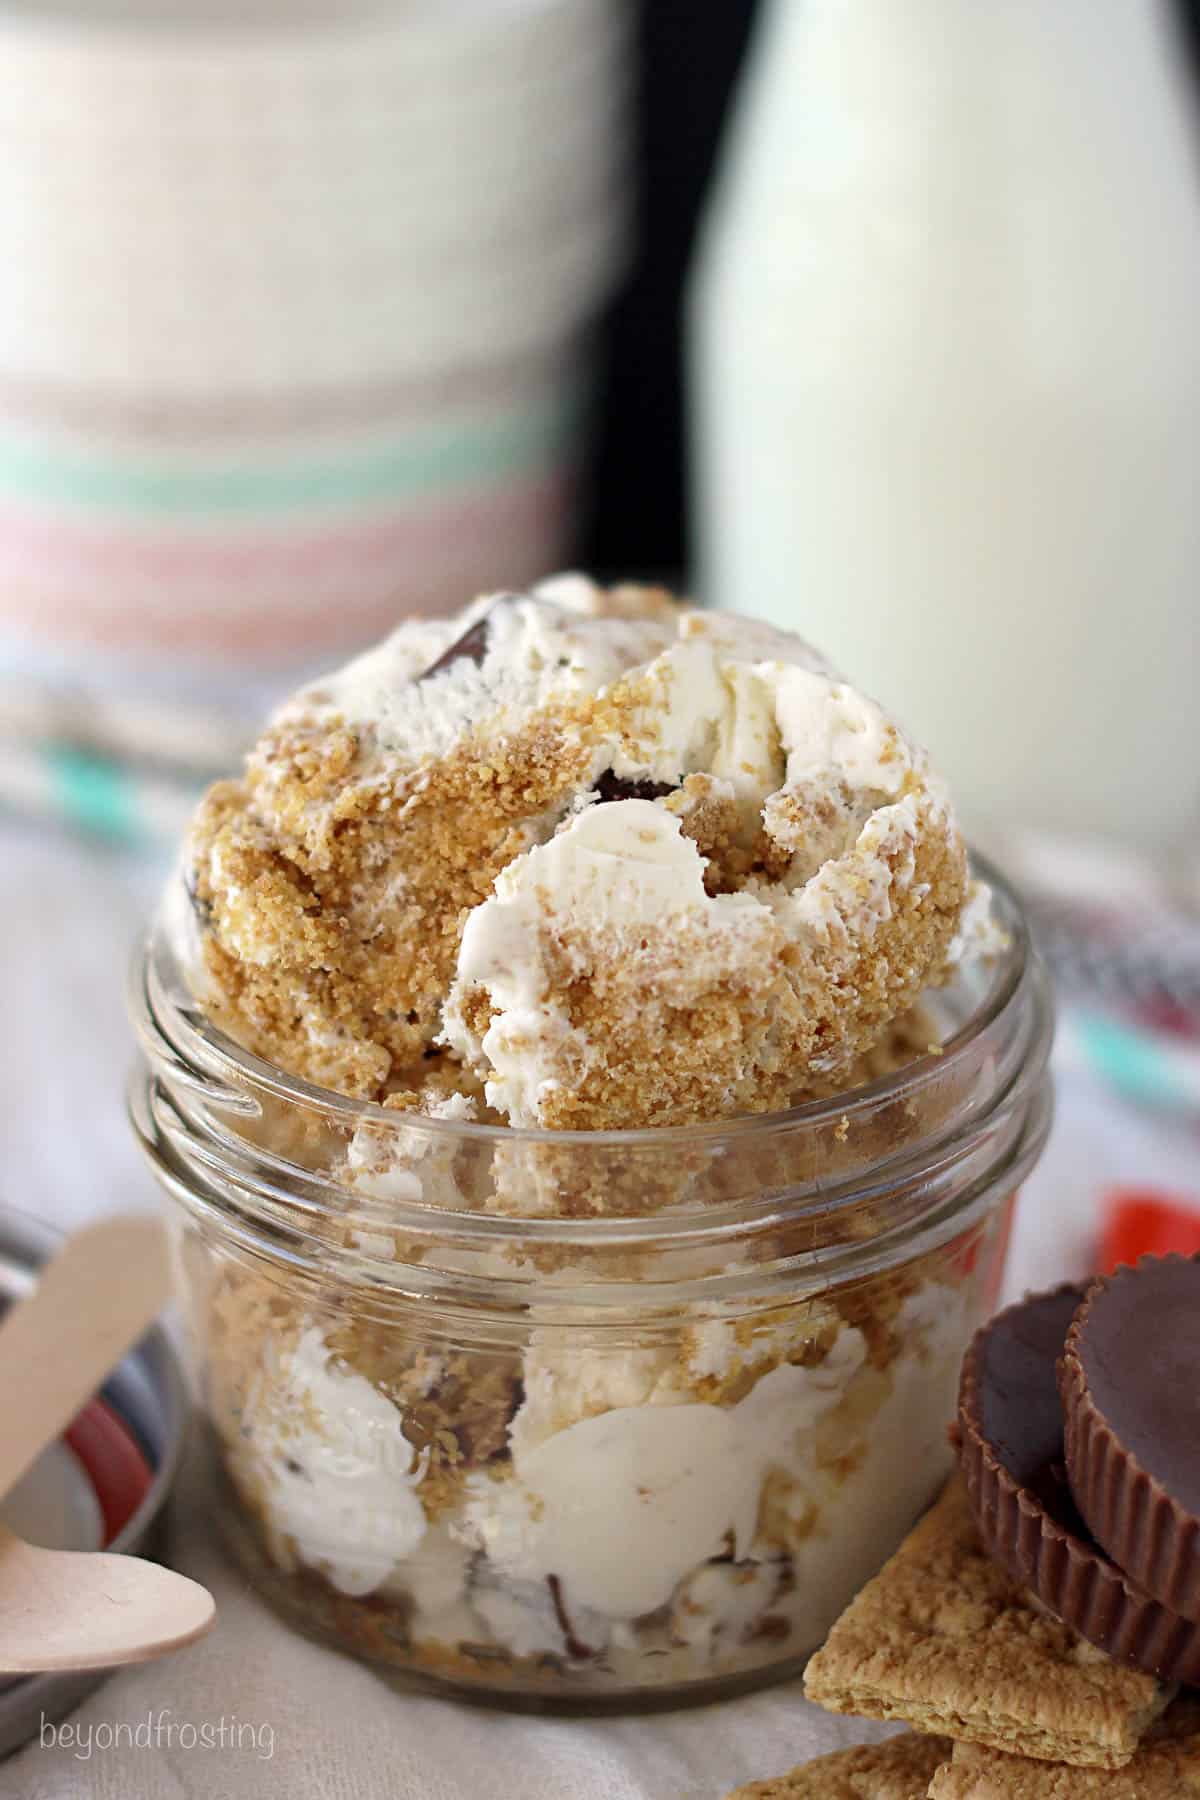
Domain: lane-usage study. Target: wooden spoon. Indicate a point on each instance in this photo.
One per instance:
(80, 1609)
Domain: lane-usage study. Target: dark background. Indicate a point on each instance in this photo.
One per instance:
(691, 50)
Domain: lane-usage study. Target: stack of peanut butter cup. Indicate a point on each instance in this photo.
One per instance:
(1079, 1438)
(1039, 1629)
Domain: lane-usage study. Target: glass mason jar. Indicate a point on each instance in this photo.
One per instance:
(591, 1419)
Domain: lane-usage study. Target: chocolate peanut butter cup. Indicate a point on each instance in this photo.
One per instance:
(1010, 1446)
(1130, 1385)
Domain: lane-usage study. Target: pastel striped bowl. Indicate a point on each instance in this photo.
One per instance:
(296, 321)
(282, 544)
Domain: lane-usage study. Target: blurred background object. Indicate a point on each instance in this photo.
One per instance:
(946, 368)
(297, 335)
(1123, 945)
(1141, 1223)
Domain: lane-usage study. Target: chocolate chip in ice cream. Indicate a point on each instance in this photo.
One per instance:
(576, 1650)
(472, 646)
(612, 787)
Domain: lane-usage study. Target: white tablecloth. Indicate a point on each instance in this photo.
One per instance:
(301, 1721)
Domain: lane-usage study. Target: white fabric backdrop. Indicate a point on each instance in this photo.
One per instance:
(316, 1724)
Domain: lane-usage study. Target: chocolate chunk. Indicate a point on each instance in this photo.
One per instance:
(612, 787)
(577, 1651)
(1130, 1384)
(1009, 1435)
(472, 646)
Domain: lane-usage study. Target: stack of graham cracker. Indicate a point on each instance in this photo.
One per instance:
(1008, 1703)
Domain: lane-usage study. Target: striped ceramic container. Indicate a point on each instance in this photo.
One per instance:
(296, 320)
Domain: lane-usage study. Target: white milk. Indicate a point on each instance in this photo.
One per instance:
(946, 383)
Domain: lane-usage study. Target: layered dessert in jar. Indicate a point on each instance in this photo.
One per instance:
(596, 1086)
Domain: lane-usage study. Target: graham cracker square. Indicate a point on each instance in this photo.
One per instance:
(945, 1641)
(1166, 1766)
(899, 1769)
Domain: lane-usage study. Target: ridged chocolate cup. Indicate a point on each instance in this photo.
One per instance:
(1009, 1437)
(1129, 1507)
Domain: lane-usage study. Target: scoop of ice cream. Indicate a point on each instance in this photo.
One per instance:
(629, 863)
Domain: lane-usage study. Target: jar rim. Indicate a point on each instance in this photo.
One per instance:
(158, 986)
(764, 1221)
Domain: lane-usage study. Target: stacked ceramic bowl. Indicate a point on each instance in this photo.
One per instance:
(294, 314)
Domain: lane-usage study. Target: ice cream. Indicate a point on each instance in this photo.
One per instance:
(568, 836)
(633, 1517)
(338, 1476)
(591, 860)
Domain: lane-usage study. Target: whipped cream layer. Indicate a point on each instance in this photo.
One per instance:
(325, 1453)
(622, 1505)
(627, 1501)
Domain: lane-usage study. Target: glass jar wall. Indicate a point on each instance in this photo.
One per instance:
(596, 1419)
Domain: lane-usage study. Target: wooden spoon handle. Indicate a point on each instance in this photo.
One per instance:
(91, 1303)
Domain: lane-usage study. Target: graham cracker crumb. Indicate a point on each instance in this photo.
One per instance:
(303, 964)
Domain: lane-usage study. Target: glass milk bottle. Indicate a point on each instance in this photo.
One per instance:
(945, 371)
